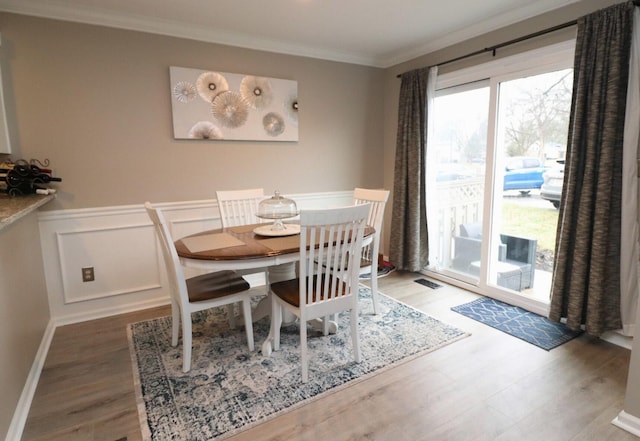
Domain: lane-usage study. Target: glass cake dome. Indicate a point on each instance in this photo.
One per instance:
(277, 208)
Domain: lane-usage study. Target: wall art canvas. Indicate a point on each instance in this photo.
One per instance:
(220, 105)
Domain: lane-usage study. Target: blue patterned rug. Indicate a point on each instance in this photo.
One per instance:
(230, 389)
(518, 322)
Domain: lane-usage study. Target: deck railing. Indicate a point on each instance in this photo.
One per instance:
(458, 202)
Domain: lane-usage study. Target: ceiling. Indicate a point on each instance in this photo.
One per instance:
(378, 33)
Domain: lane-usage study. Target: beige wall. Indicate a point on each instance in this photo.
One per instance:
(24, 310)
(95, 101)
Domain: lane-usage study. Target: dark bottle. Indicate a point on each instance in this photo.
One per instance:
(44, 178)
(17, 185)
(37, 170)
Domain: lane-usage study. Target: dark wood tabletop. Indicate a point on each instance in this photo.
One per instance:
(246, 244)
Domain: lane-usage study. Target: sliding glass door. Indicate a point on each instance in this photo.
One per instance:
(532, 121)
(492, 143)
(456, 172)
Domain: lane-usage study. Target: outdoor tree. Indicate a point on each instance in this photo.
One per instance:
(537, 112)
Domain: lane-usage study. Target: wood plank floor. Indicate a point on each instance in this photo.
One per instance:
(489, 386)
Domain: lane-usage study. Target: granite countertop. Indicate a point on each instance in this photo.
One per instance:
(13, 208)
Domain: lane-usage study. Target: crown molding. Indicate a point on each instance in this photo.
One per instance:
(93, 16)
(178, 29)
(532, 9)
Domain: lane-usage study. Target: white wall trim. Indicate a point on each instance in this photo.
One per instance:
(95, 313)
(60, 236)
(117, 241)
(627, 422)
(78, 213)
(28, 391)
(618, 339)
(210, 34)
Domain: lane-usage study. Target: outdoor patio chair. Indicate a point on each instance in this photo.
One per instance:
(515, 250)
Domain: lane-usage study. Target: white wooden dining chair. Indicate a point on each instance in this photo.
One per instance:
(323, 290)
(199, 293)
(239, 207)
(377, 200)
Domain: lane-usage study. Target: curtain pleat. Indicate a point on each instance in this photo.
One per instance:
(409, 243)
(586, 281)
(630, 230)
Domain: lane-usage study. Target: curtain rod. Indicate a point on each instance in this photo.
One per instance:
(493, 49)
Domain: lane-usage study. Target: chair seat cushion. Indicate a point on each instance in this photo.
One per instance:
(215, 285)
(288, 291)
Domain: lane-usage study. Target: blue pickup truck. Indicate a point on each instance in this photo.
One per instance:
(523, 174)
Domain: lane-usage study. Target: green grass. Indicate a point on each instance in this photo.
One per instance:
(533, 222)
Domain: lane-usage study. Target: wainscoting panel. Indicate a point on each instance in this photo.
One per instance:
(113, 275)
(120, 245)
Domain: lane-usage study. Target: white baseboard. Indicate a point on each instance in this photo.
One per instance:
(28, 391)
(618, 339)
(93, 314)
(627, 422)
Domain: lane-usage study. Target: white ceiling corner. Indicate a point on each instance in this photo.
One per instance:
(375, 33)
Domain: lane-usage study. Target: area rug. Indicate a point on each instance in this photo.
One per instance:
(518, 322)
(230, 389)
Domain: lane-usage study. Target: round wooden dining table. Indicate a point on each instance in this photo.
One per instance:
(239, 248)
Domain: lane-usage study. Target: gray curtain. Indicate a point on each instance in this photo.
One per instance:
(409, 243)
(586, 281)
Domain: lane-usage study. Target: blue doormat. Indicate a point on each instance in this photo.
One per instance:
(518, 322)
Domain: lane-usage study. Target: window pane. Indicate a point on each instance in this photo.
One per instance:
(533, 120)
(455, 173)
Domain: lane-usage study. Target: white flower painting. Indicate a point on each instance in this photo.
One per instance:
(232, 106)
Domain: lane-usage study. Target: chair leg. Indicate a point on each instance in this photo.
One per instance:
(248, 326)
(232, 315)
(374, 276)
(276, 322)
(186, 343)
(304, 361)
(267, 283)
(355, 338)
(374, 288)
(175, 323)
